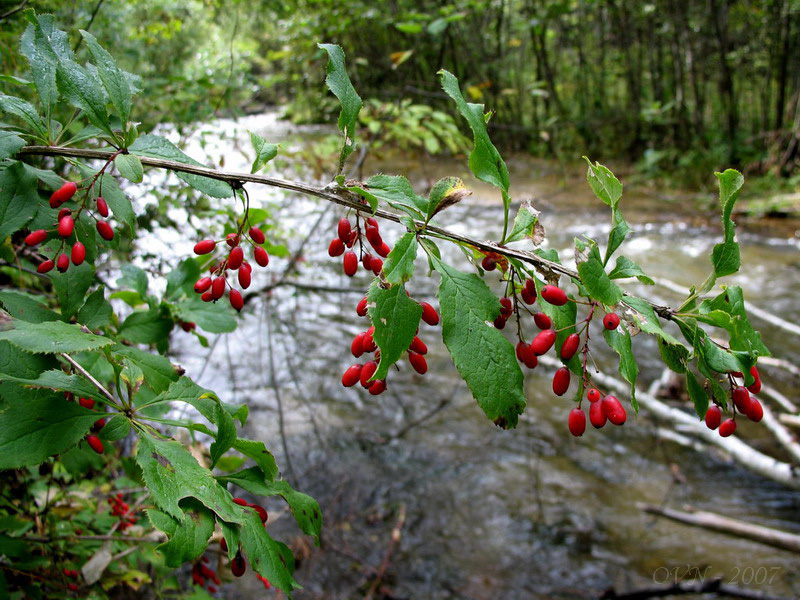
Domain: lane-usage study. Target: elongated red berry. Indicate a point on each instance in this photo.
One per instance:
(238, 565)
(418, 346)
(727, 428)
(351, 240)
(506, 307)
(344, 229)
(62, 264)
(384, 249)
(374, 237)
(357, 345)
(741, 399)
(235, 258)
(570, 346)
(366, 261)
(223, 545)
(236, 300)
(336, 247)
(361, 307)
(240, 501)
(755, 387)
(352, 375)
(98, 425)
(368, 343)
(528, 357)
(418, 362)
(244, 275)
(232, 239)
(102, 206)
(542, 320)
(188, 326)
(373, 222)
(713, 416)
(204, 247)
(554, 295)
(429, 314)
(66, 225)
(614, 410)
(367, 371)
(78, 253)
(202, 284)
(262, 513)
(561, 381)
(72, 587)
(62, 194)
(376, 264)
(756, 412)
(350, 263)
(64, 212)
(521, 349)
(488, 263)
(218, 288)
(577, 422)
(86, 402)
(94, 443)
(529, 292)
(593, 395)
(611, 321)
(261, 256)
(543, 341)
(597, 416)
(46, 266)
(105, 231)
(35, 237)
(500, 322)
(207, 296)
(257, 235)
(377, 387)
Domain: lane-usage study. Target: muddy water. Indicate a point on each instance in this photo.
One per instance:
(528, 513)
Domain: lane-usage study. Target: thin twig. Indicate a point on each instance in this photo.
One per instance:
(88, 376)
(13, 10)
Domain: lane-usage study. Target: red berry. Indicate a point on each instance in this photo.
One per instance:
(756, 412)
(561, 381)
(336, 247)
(207, 296)
(236, 300)
(418, 362)
(570, 346)
(577, 422)
(344, 229)
(418, 346)
(64, 212)
(86, 402)
(62, 194)
(367, 371)
(554, 295)
(261, 256)
(373, 222)
(351, 375)
(727, 428)
(257, 235)
(542, 320)
(377, 387)
(235, 258)
(232, 239)
(614, 410)
(218, 288)
(361, 308)
(244, 275)
(384, 249)
(35, 237)
(488, 263)
(506, 307)
(202, 284)
(529, 292)
(240, 501)
(223, 545)
(262, 514)
(45, 267)
(357, 345)
(543, 342)
(66, 225)
(597, 415)
(78, 253)
(755, 387)
(377, 265)
(95, 443)
(593, 395)
(368, 343)
(72, 587)
(62, 264)
(105, 231)
(611, 321)
(203, 247)
(741, 398)
(713, 416)
(350, 263)
(102, 206)
(238, 565)
(98, 425)
(352, 239)
(188, 326)
(374, 237)
(528, 357)
(521, 349)
(429, 314)
(500, 322)
(366, 261)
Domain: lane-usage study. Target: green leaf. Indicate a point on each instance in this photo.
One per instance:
(394, 190)
(259, 453)
(182, 278)
(603, 183)
(269, 558)
(43, 63)
(133, 278)
(50, 337)
(188, 537)
(82, 90)
(445, 193)
(625, 268)
(482, 355)
(57, 380)
(742, 335)
(675, 356)
(526, 225)
(96, 311)
(10, 144)
(617, 235)
(27, 308)
(18, 199)
(596, 281)
(117, 428)
(339, 83)
(130, 167)
(146, 327)
(113, 80)
(645, 318)
(720, 360)
(725, 256)
(159, 372)
(24, 110)
(71, 287)
(399, 265)
(118, 202)
(155, 146)
(21, 364)
(697, 394)
(396, 320)
(33, 428)
(620, 341)
(214, 318)
(265, 152)
(226, 433)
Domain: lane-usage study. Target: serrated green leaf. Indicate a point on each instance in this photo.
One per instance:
(620, 341)
(399, 265)
(269, 558)
(96, 311)
(697, 394)
(625, 268)
(259, 453)
(112, 77)
(394, 190)
(23, 364)
(226, 433)
(71, 287)
(33, 428)
(159, 373)
(10, 144)
(24, 110)
(130, 167)
(49, 337)
(525, 225)
(182, 278)
(645, 318)
(146, 326)
(26, 308)
(482, 355)
(18, 199)
(742, 335)
(133, 278)
(155, 146)
(339, 83)
(619, 231)
(188, 537)
(57, 380)
(205, 401)
(83, 91)
(43, 63)
(211, 317)
(596, 281)
(445, 193)
(118, 202)
(725, 256)
(675, 356)
(116, 428)
(720, 360)
(265, 151)
(395, 317)
(603, 183)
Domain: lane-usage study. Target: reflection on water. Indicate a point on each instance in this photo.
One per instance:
(529, 513)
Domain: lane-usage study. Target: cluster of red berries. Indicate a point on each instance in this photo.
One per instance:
(601, 409)
(213, 288)
(71, 574)
(122, 510)
(65, 226)
(202, 574)
(743, 403)
(347, 237)
(364, 343)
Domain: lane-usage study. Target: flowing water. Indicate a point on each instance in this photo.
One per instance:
(526, 513)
